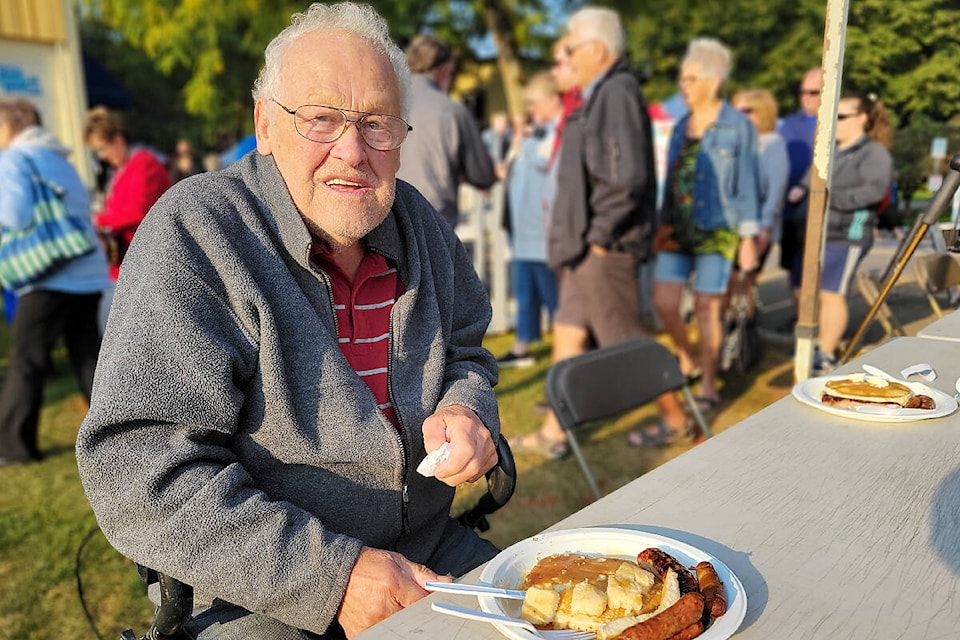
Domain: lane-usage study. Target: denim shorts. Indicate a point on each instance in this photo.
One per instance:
(711, 271)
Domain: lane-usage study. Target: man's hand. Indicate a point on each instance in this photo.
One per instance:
(381, 583)
(796, 194)
(472, 452)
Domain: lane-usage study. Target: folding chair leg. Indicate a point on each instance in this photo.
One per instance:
(572, 441)
(695, 410)
(934, 304)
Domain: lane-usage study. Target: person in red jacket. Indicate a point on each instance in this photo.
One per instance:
(139, 179)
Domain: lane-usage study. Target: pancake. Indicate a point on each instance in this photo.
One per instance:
(860, 389)
(868, 389)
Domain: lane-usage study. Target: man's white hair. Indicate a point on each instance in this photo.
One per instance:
(358, 19)
(600, 23)
(712, 56)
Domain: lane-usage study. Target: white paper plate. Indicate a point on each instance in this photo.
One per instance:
(808, 392)
(508, 568)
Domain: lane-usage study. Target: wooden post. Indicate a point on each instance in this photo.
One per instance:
(834, 33)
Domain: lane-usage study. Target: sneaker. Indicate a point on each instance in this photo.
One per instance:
(823, 364)
(517, 360)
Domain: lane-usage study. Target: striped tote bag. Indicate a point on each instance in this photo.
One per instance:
(53, 238)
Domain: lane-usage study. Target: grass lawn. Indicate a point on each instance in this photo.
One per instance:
(45, 518)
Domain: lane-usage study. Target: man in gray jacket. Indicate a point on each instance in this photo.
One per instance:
(289, 338)
(446, 147)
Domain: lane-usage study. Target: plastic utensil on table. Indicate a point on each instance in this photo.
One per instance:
(921, 369)
(483, 616)
(474, 590)
(876, 371)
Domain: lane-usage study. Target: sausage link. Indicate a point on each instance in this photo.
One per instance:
(686, 612)
(689, 633)
(658, 561)
(712, 589)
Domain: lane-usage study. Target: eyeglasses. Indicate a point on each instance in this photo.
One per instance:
(844, 116)
(809, 92)
(320, 123)
(570, 48)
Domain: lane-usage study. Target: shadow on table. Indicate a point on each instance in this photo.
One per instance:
(945, 521)
(737, 561)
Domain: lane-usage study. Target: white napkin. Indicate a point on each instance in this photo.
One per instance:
(434, 458)
(921, 369)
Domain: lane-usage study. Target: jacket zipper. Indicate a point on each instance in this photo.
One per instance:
(398, 433)
(404, 487)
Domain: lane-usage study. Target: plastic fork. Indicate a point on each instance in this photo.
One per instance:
(475, 590)
(483, 616)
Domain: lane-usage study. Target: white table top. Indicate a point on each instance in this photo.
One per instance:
(945, 328)
(837, 528)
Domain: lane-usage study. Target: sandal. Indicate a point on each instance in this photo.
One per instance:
(658, 434)
(706, 403)
(694, 376)
(541, 445)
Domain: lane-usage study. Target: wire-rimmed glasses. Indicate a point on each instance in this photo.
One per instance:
(321, 123)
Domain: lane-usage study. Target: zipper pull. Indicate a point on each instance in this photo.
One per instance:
(405, 497)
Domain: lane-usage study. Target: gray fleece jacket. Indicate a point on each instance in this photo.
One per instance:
(230, 445)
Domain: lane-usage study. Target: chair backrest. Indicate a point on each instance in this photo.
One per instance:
(937, 272)
(608, 381)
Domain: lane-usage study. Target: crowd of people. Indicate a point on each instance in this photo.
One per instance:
(291, 336)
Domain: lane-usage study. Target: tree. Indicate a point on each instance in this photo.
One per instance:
(904, 51)
(911, 154)
(216, 48)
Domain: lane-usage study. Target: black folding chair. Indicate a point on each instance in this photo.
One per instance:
(175, 599)
(608, 381)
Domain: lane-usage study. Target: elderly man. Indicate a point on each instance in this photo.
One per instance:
(603, 212)
(291, 337)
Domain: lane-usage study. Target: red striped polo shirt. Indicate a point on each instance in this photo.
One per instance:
(363, 318)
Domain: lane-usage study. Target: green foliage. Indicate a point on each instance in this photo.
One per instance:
(911, 153)
(773, 41)
(203, 57)
(190, 64)
(44, 520)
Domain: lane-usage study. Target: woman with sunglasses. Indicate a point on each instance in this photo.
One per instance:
(861, 172)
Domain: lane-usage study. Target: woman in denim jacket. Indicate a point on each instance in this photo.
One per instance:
(711, 209)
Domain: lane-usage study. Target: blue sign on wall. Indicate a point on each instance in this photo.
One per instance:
(14, 80)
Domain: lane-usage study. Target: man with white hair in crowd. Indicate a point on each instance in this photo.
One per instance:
(603, 214)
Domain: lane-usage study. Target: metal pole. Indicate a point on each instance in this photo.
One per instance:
(940, 200)
(807, 314)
